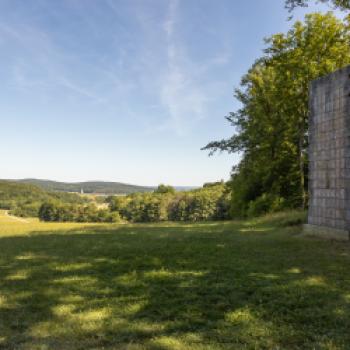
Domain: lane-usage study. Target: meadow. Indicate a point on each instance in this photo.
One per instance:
(255, 284)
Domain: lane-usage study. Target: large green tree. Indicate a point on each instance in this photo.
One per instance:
(271, 126)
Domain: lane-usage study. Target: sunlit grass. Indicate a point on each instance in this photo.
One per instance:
(256, 284)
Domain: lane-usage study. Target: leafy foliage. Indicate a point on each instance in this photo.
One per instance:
(338, 4)
(162, 189)
(271, 126)
(51, 211)
(208, 203)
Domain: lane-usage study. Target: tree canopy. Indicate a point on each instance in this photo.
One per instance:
(211, 202)
(162, 189)
(338, 4)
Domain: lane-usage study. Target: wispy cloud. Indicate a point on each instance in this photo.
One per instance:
(179, 93)
(63, 81)
(144, 70)
(182, 90)
(42, 64)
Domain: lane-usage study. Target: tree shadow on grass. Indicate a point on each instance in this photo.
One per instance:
(173, 287)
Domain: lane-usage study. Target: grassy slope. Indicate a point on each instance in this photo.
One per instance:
(252, 285)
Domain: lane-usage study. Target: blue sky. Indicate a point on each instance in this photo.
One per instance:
(125, 90)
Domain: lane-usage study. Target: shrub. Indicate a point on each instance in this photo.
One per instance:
(264, 204)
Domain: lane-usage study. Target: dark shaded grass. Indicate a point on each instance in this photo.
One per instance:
(253, 285)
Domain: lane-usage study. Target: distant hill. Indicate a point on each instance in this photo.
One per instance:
(24, 199)
(99, 187)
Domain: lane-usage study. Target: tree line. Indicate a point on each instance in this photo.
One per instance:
(211, 202)
(63, 212)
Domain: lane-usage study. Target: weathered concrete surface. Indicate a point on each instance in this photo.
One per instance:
(329, 154)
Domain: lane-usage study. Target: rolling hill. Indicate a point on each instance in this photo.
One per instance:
(99, 187)
(25, 199)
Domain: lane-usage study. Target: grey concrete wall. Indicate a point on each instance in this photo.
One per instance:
(329, 151)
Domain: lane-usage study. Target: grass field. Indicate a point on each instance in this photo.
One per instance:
(233, 285)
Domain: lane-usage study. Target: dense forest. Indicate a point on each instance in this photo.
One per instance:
(271, 127)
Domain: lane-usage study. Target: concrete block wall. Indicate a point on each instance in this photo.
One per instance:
(329, 151)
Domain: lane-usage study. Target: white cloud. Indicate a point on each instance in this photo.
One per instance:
(148, 65)
(179, 92)
(63, 81)
(43, 64)
(183, 91)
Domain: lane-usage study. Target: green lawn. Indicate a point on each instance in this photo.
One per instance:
(232, 285)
